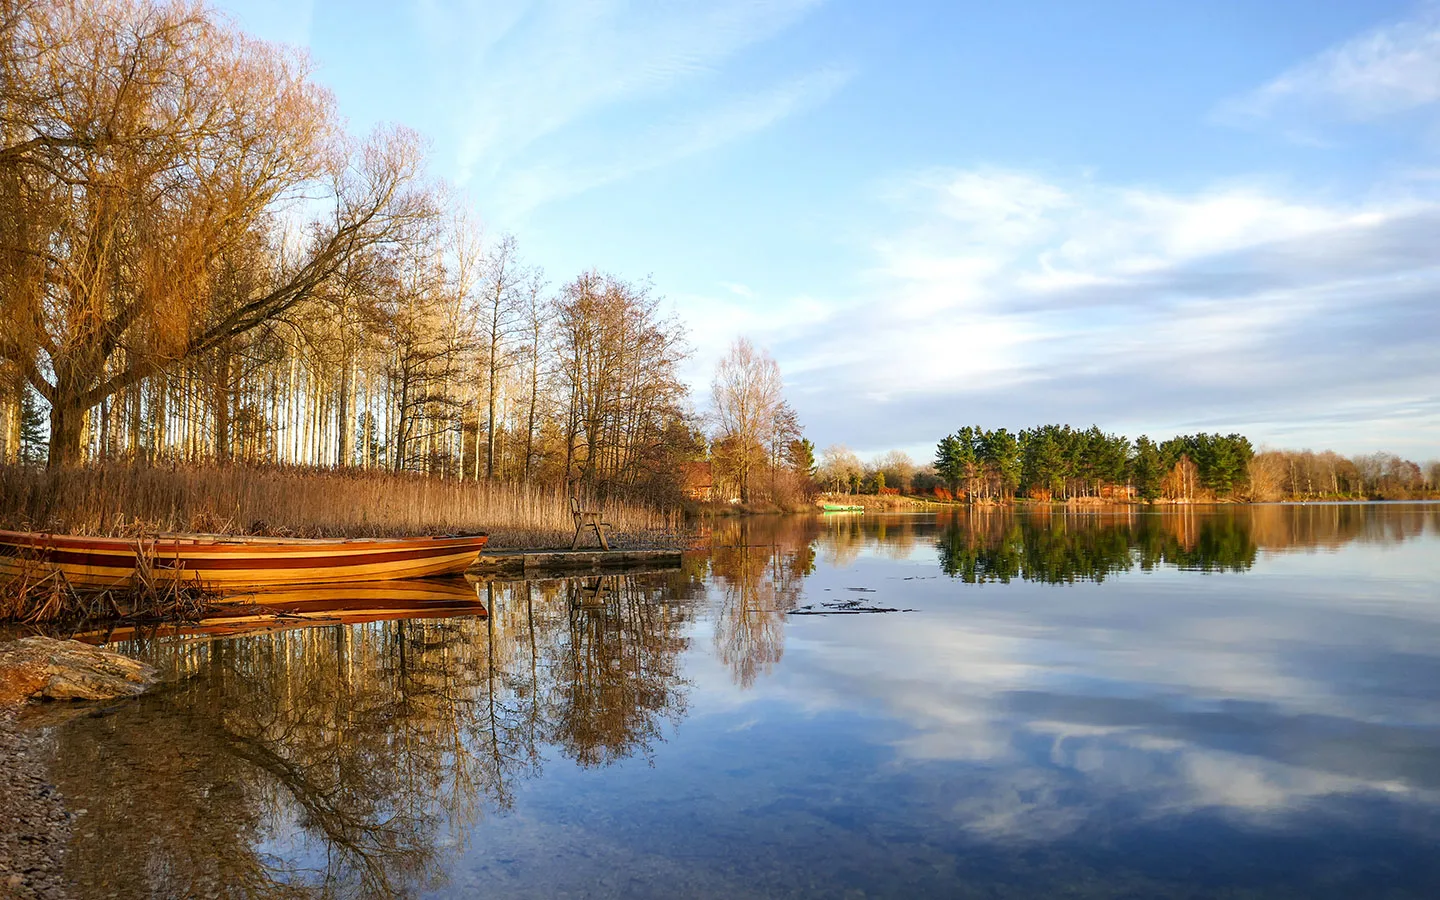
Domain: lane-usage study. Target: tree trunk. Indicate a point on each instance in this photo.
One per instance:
(9, 430)
(490, 430)
(221, 400)
(345, 415)
(67, 422)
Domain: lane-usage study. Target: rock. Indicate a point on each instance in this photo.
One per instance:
(41, 667)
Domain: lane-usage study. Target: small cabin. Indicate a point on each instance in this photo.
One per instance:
(697, 481)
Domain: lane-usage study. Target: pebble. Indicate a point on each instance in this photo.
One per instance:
(34, 826)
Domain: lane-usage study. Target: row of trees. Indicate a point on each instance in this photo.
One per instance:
(1059, 462)
(198, 263)
(842, 471)
(1307, 475)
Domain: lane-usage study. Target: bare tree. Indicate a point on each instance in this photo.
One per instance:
(144, 143)
(748, 405)
(839, 467)
(500, 310)
(535, 317)
(616, 371)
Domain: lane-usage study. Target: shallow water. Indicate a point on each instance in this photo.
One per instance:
(1237, 701)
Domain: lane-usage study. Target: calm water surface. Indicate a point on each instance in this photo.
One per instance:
(1236, 702)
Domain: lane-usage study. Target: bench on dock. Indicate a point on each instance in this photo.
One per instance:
(587, 518)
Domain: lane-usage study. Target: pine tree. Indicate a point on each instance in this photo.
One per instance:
(34, 435)
(801, 455)
(1147, 468)
(947, 462)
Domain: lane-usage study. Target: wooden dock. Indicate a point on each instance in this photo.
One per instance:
(543, 562)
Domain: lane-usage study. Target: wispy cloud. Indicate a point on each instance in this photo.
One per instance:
(1176, 712)
(1014, 298)
(1388, 70)
(557, 173)
(533, 79)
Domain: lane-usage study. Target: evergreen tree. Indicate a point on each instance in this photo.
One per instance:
(966, 442)
(1146, 468)
(800, 454)
(947, 462)
(999, 455)
(34, 436)
(1060, 462)
(1043, 451)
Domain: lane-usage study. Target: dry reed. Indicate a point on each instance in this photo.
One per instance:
(131, 500)
(50, 601)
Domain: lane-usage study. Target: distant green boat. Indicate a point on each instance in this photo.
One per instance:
(836, 507)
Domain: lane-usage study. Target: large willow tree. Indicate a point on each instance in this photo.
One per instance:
(147, 150)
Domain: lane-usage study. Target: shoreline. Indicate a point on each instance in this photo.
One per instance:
(907, 502)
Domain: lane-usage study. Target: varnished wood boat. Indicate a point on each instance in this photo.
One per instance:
(218, 560)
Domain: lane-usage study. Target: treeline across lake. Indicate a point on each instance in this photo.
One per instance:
(1058, 462)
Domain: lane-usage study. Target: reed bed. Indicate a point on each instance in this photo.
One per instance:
(50, 602)
(124, 500)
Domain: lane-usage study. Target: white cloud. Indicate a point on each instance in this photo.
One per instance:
(1166, 709)
(714, 322)
(1387, 70)
(1080, 300)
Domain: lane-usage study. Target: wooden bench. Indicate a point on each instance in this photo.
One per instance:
(587, 518)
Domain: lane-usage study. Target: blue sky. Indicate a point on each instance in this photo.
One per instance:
(1155, 216)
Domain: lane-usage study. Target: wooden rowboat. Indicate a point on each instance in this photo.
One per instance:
(838, 507)
(218, 560)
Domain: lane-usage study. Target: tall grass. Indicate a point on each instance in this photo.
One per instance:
(127, 500)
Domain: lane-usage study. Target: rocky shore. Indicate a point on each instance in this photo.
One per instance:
(34, 823)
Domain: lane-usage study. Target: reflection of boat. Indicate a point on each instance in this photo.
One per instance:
(271, 609)
(219, 560)
(837, 507)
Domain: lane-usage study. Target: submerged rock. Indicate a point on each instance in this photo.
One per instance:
(41, 667)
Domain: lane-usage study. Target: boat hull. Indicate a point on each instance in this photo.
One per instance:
(219, 561)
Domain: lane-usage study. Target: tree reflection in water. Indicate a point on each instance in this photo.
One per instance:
(758, 567)
(339, 761)
(1057, 545)
(615, 670)
(353, 760)
(1061, 547)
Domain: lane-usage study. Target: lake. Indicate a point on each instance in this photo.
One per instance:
(1214, 701)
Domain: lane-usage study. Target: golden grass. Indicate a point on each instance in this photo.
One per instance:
(52, 601)
(127, 500)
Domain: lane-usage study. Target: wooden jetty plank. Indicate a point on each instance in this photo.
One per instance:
(515, 576)
(539, 561)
